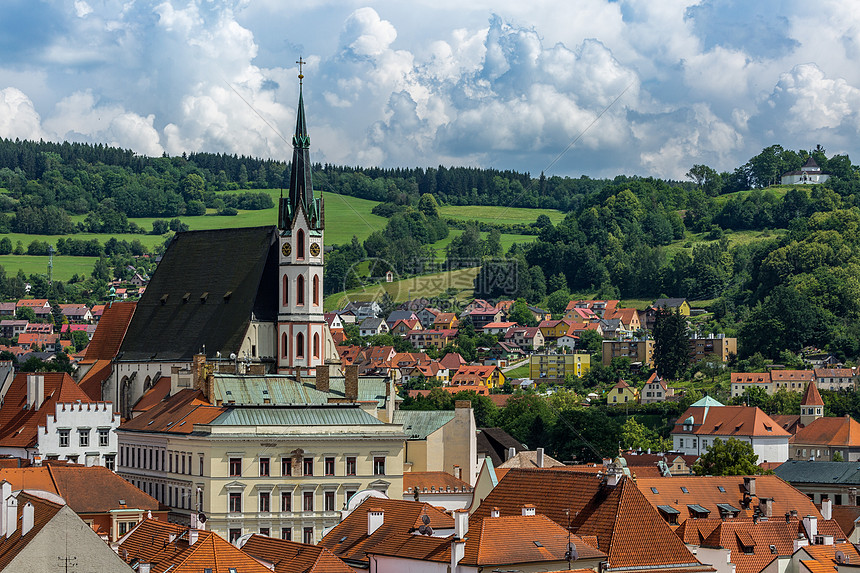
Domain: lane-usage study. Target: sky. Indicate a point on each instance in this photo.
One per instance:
(565, 87)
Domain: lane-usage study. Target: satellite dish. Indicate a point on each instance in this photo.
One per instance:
(572, 554)
(841, 557)
(232, 356)
(429, 530)
(422, 529)
(201, 518)
(425, 519)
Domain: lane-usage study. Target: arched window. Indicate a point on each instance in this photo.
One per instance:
(300, 244)
(316, 290)
(285, 345)
(316, 345)
(300, 290)
(300, 345)
(286, 290)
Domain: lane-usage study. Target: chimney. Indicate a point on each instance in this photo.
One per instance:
(826, 509)
(458, 472)
(28, 518)
(458, 551)
(540, 457)
(529, 509)
(512, 451)
(6, 489)
(749, 485)
(35, 390)
(765, 505)
(794, 513)
(852, 496)
(375, 519)
(798, 543)
(787, 517)
(11, 516)
(144, 567)
(351, 382)
(461, 523)
(810, 524)
(322, 378)
(192, 536)
(198, 362)
(827, 539)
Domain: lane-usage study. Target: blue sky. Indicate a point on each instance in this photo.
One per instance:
(505, 84)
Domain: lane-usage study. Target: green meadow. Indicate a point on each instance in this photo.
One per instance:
(499, 215)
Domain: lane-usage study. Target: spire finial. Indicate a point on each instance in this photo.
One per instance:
(301, 63)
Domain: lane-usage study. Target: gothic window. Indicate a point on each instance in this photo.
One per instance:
(300, 244)
(316, 345)
(316, 290)
(300, 290)
(286, 290)
(285, 345)
(300, 345)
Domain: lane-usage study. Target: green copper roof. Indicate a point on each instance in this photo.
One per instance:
(286, 390)
(290, 416)
(706, 402)
(418, 424)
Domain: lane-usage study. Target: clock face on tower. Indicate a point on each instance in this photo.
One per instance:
(286, 249)
(315, 249)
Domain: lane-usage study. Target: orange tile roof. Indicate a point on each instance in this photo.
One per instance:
(834, 372)
(811, 396)
(817, 566)
(472, 374)
(32, 302)
(729, 421)
(620, 517)
(433, 482)
(110, 331)
(176, 415)
(845, 516)
(294, 557)
(791, 375)
(705, 491)
(834, 432)
(827, 553)
(150, 542)
(35, 478)
(43, 512)
(349, 540)
(159, 391)
(97, 489)
(19, 425)
(750, 543)
(91, 383)
(37, 338)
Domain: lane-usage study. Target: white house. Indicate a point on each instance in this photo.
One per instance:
(809, 174)
(707, 420)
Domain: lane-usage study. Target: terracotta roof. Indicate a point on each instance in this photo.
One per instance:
(452, 361)
(37, 338)
(827, 553)
(433, 482)
(620, 517)
(817, 566)
(811, 396)
(349, 540)
(43, 512)
(787, 422)
(695, 531)
(159, 391)
(621, 384)
(750, 543)
(150, 542)
(97, 489)
(834, 432)
(294, 557)
(91, 383)
(19, 425)
(32, 302)
(789, 375)
(833, 372)
(472, 374)
(705, 491)
(110, 331)
(728, 421)
(845, 516)
(176, 415)
(528, 459)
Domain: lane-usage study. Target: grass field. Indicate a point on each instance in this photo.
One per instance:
(64, 267)
(400, 291)
(735, 238)
(501, 215)
(507, 240)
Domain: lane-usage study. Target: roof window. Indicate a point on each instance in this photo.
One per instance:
(721, 488)
(685, 490)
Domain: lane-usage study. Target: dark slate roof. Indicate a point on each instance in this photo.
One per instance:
(804, 471)
(494, 444)
(668, 302)
(204, 292)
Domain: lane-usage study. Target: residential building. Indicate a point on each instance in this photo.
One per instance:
(793, 380)
(714, 346)
(7, 308)
(696, 429)
(740, 381)
(822, 480)
(362, 310)
(527, 338)
(439, 489)
(834, 378)
(655, 390)
(404, 327)
(110, 505)
(609, 506)
(11, 328)
(40, 306)
(40, 328)
(679, 304)
(372, 327)
(47, 416)
(445, 321)
(284, 556)
(597, 308)
(427, 316)
(540, 314)
(161, 547)
(76, 312)
(438, 339)
(629, 318)
(622, 393)
(824, 437)
(39, 341)
(809, 174)
(483, 316)
(478, 375)
(681, 498)
(554, 368)
(498, 328)
(554, 329)
(39, 533)
(637, 350)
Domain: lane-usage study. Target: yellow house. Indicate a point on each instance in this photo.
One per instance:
(478, 374)
(622, 393)
(552, 329)
(553, 368)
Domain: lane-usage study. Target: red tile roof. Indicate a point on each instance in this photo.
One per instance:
(110, 331)
(845, 516)
(32, 302)
(176, 415)
(152, 397)
(729, 421)
(750, 543)
(472, 374)
(294, 557)
(433, 482)
(811, 396)
(91, 383)
(832, 432)
(791, 375)
(19, 425)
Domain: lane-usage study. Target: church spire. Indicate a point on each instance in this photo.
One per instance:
(301, 187)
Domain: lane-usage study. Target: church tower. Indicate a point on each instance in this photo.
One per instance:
(303, 336)
(811, 405)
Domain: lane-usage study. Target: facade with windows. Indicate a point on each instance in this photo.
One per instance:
(82, 433)
(275, 470)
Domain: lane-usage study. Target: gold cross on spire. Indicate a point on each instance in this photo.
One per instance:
(301, 62)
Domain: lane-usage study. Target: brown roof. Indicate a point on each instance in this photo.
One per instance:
(349, 540)
(176, 415)
(96, 489)
(834, 432)
(159, 391)
(791, 375)
(43, 512)
(150, 542)
(833, 372)
(294, 557)
(528, 459)
(729, 421)
(845, 516)
(110, 331)
(705, 491)
(788, 422)
(620, 517)
(811, 396)
(19, 425)
(433, 482)
(91, 383)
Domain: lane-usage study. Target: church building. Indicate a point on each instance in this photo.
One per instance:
(248, 299)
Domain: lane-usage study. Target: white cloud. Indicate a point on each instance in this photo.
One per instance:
(808, 100)
(82, 9)
(18, 117)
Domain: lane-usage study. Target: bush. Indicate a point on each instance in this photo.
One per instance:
(195, 208)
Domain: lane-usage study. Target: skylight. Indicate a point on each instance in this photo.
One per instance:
(721, 488)
(684, 489)
(654, 490)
